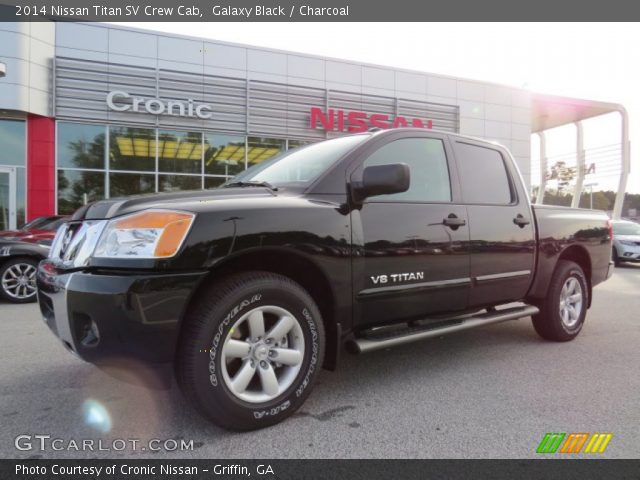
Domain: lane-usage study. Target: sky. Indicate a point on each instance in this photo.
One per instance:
(597, 61)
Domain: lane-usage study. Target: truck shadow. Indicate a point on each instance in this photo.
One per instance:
(628, 266)
(135, 412)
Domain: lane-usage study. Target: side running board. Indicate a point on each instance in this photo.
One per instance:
(374, 341)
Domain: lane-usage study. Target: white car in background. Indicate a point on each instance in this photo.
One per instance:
(626, 241)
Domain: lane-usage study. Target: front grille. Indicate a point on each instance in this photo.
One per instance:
(75, 242)
(63, 239)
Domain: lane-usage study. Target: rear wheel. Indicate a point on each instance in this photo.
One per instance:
(251, 348)
(18, 280)
(564, 309)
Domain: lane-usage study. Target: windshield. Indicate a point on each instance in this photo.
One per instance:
(301, 165)
(626, 228)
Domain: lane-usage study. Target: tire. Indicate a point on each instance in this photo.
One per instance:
(616, 259)
(18, 280)
(550, 323)
(217, 344)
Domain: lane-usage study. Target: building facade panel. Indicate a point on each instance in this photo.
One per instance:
(83, 36)
(499, 113)
(472, 126)
(266, 62)
(378, 78)
(441, 86)
(411, 82)
(302, 67)
(180, 50)
(469, 90)
(343, 72)
(497, 95)
(225, 56)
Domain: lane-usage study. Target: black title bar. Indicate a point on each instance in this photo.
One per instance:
(319, 11)
(317, 469)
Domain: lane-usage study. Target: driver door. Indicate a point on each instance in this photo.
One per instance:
(412, 248)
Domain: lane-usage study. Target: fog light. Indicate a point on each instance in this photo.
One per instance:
(91, 336)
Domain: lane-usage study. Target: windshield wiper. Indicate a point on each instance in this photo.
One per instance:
(252, 184)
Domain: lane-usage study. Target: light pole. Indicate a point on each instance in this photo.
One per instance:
(591, 185)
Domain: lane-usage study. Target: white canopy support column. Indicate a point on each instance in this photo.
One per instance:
(543, 168)
(580, 165)
(626, 164)
(549, 111)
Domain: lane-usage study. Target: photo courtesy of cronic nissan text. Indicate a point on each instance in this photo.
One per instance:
(319, 240)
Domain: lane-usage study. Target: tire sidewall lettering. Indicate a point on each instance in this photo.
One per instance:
(314, 351)
(213, 376)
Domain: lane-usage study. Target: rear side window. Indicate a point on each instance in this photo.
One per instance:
(427, 165)
(483, 175)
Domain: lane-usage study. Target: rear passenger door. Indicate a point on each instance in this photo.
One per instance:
(502, 237)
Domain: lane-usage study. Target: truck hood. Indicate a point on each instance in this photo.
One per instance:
(184, 200)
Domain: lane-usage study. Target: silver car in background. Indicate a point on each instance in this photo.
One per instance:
(626, 241)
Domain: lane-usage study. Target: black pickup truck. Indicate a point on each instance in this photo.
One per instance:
(364, 241)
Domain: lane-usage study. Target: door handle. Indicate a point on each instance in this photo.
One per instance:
(521, 221)
(453, 222)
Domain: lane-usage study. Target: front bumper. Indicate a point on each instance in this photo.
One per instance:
(629, 254)
(103, 317)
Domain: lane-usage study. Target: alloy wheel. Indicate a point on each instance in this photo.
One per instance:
(571, 300)
(262, 354)
(19, 281)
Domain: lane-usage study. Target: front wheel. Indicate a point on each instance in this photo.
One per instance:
(250, 350)
(18, 280)
(564, 309)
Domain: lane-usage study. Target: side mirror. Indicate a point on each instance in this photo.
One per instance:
(383, 180)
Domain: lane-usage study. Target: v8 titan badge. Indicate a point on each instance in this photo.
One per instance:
(397, 277)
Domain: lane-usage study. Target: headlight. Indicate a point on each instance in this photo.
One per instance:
(146, 234)
(628, 242)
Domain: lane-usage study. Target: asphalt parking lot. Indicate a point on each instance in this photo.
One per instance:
(486, 393)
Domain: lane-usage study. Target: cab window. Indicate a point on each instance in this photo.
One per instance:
(483, 175)
(428, 166)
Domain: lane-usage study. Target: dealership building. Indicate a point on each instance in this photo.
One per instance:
(91, 111)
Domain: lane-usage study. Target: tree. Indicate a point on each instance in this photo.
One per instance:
(563, 174)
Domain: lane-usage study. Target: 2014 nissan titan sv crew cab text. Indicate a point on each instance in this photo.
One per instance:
(365, 241)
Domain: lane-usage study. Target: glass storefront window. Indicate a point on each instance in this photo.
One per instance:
(172, 183)
(223, 154)
(81, 146)
(174, 157)
(123, 184)
(13, 153)
(291, 144)
(261, 149)
(179, 152)
(13, 143)
(21, 208)
(77, 188)
(6, 192)
(213, 182)
(132, 148)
